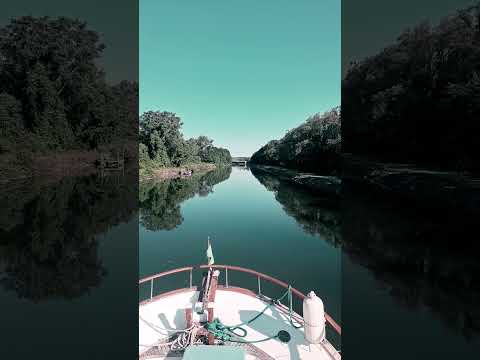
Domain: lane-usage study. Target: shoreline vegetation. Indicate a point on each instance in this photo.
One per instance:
(165, 154)
(308, 156)
(57, 111)
(314, 146)
(408, 121)
(188, 170)
(416, 101)
(58, 164)
(410, 116)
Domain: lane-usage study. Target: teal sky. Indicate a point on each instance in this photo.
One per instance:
(241, 72)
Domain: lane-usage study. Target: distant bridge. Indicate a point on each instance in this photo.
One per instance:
(240, 161)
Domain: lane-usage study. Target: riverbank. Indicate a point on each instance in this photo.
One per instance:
(53, 165)
(428, 188)
(327, 185)
(176, 172)
(21, 165)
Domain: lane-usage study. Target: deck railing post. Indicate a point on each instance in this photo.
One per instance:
(151, 289)
(191, 283)
(259, 286)
(290, 298)
(226, 277)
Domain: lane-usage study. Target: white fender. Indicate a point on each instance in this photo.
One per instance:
(314, 317)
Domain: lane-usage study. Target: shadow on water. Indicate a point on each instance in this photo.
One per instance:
(425, 259)
(160, 200)
(48, 243)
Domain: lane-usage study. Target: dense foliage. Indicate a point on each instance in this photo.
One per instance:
(162, 143)
(313, 146)
(53, 95)
(418, 100)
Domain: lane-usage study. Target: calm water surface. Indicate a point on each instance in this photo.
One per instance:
(410, 279)
(401, 280)
(68, 269)
(248, 227)
(395, 277)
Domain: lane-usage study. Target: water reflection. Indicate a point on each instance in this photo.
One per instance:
(160, 200)
(48, 243)
(426, 259)
(315, 214)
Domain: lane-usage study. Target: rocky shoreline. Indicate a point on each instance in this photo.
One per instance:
(327, 185)
(421, 187)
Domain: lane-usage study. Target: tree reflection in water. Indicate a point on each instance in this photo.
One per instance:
(48, 243)
(315, 214)
(424, 258)
(160, 200)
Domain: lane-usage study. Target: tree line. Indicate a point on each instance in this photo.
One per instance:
(162, 143)
(418, 99)
(53, 94)
(313, 146)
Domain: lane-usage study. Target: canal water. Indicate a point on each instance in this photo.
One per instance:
(402, 281)
(253, 221)
(388, 272)
(69, 268)
(410, 279)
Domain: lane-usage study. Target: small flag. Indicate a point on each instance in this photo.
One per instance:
(210, 258)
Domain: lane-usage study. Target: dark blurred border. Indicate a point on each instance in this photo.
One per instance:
(410, 179)
(69, 179)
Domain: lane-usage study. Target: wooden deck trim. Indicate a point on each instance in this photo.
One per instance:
(212, 291)
(188, 317)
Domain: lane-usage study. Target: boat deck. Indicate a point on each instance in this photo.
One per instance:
(232, 306)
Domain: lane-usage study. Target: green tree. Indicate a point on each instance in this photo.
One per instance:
(313, 146)
(216, 155)
(11, 121)
(49, 66)
(161, 136)
(45, 109)
(416, 101)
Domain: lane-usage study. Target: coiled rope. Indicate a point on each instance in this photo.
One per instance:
(181, 342)
(231, 332)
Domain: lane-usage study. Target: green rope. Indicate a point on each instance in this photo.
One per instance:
(290, 309)
(227, 333)
(230, 332)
